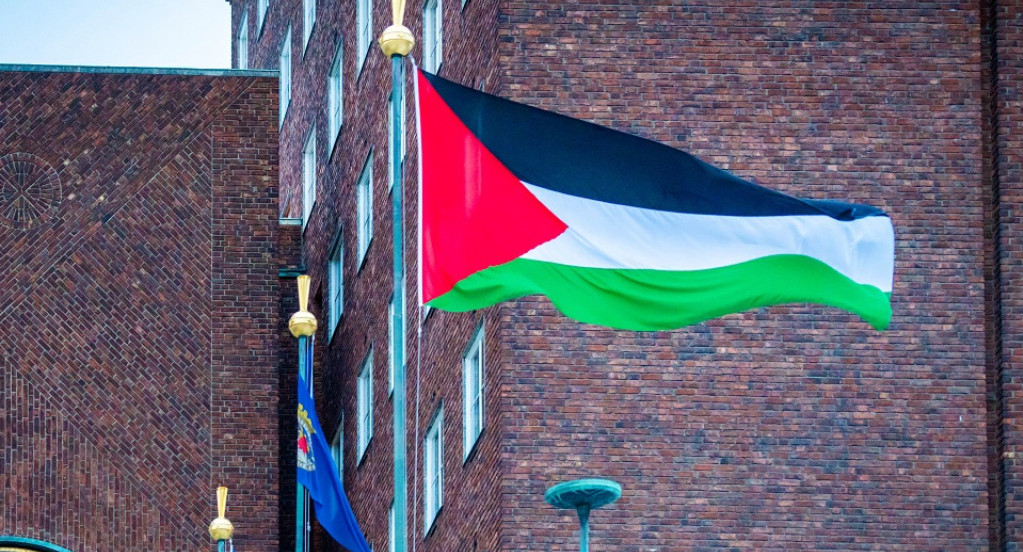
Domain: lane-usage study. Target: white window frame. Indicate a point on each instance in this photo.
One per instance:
(364, 30)
(337, 449)
(433, 470)
(243, 41)
(285, 75)
(473, 389)
(395, 339)
(391, 544)
(364, 207)
(308, 176)
(308, 21)
(336, 95)
(261, 8)
(364, 397)
(433, 35)
(391, 176)
(335, 284)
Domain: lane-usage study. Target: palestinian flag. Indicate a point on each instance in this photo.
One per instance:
(621, 231)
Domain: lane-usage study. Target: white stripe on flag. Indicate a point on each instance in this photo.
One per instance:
(605, 235)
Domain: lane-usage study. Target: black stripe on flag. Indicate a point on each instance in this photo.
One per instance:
(579, 158)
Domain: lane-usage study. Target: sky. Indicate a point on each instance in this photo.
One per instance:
(120, 33)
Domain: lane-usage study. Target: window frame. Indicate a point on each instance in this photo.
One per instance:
(308, 22)
(308, 176)
(336, 95)
(337, 449)
(335, 284)
(262, 7)
(433, 453)
(242, 43)
(364, 399)
(476, 416)
(364, 30)
(284, 68)
(364, 209)
(433, 35)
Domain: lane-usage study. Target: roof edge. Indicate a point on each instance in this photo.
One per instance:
(138, 70)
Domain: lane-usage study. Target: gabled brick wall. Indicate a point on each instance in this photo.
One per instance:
(139, 353)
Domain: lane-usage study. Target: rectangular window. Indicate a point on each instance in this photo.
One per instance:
(433, 480)
(391, 545)
(335, 285)
(472, 393)
(335, 95)
(285, 69)
(364, 397)
(364, 38)
(391, 176)
(308, 20)
(303, 520)
(433, 35)
(243, 42)
(364, 207)
(261, 6)
(396, 339)
(308, 176)
(337, 450)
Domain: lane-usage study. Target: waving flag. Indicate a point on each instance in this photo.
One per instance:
(318, 473)
(621, 231)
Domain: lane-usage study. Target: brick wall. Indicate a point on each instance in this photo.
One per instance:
(1009, 127)
(140, 305)
(790, 428)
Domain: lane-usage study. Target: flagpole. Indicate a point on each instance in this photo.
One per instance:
(302, 326)
(396, 42)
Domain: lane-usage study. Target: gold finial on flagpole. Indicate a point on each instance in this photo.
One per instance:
(220, 528)
(302, 323)
(397, 39)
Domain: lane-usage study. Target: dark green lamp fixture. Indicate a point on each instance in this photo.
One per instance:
(583, 495)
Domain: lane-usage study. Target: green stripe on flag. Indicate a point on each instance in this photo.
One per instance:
(649, 300)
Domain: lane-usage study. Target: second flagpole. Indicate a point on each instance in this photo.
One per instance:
(396, 42)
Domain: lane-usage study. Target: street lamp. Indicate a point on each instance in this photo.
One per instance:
(583, 495)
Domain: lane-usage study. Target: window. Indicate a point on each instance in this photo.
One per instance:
(308, 176)
(396, 339)
(472, 393)
(285, 68)
(364, 22)
(433, 482)
(391, 545)
(364, 207)
(365, 404)
(303, 517)
(335, 284)
(261, 6)
(308, 20)
(243, 42)
(335, 95)
(391, 176)
(337, 450)
(433, 36)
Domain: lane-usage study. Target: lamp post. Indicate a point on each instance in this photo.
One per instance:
(396, 42)
(583, 495)
(221, 529)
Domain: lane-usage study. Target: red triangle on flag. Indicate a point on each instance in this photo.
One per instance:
(475, 213)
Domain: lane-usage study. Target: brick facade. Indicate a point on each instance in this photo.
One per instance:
(139, 359)
(789, 428)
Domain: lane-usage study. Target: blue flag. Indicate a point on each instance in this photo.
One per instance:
(317, 472)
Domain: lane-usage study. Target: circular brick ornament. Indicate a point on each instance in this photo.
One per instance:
(29, 190)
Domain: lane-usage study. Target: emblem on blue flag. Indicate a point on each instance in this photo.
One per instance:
(306, 459)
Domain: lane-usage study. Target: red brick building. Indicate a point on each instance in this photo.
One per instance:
(150, 273)
(789, 428)
(139, 353)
